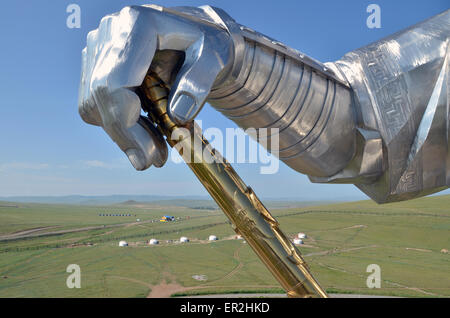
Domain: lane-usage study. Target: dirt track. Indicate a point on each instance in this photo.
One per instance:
(32, 232)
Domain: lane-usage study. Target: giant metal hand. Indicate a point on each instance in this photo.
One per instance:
(378, 118)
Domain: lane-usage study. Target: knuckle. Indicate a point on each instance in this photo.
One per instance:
(86, 106)
(107, 19)
(89, 113)
(91, 38)
(106, 22)
(134, 8)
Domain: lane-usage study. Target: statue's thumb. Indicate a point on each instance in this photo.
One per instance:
(194, 81)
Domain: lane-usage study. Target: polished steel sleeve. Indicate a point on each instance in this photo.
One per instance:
(312, 111)
(248, 215)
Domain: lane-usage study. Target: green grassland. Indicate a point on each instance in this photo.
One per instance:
(39, 241)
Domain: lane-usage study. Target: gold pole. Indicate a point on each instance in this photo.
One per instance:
(249, 217)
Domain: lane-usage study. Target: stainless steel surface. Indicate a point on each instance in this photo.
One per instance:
(401, 85)
(377, 118)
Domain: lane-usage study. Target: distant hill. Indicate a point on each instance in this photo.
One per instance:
(210, 204)
(192, 202)
(96, 200)
(129, 202)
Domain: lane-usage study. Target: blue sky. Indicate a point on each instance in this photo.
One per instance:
(46, 149)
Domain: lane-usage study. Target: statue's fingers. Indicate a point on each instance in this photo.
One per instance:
(86, 105)
(134, 135)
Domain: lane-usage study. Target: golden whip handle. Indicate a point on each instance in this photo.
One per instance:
(249, 217)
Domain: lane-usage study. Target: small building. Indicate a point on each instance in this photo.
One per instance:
(212, 238)
(298, 241)
(153, 242)
(200, 277)
(123, 243)
(167, 218)
(301, 235)
(184, 239)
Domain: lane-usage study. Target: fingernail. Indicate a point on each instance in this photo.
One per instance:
(183, 108)
(136, 158)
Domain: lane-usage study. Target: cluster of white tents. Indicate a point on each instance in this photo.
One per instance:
(153, 242)
(298, 240)
(183, 239)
